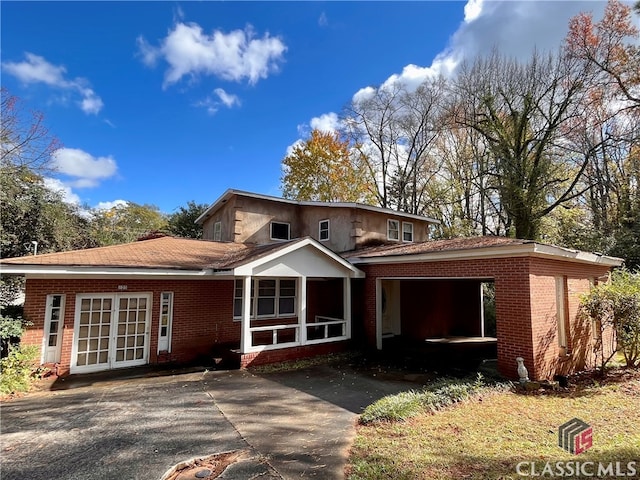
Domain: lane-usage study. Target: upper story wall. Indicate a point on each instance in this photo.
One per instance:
(246, 219)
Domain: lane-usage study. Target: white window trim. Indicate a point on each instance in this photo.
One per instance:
(217, 231)
(561, 316)
(280, 223)
(403, 232)
(169, 324)
(254, 300)
(328, 230)
(47, 324)
(389, 223)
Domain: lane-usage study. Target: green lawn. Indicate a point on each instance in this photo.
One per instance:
(487, 436)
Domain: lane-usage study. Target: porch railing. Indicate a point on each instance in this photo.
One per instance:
(322, 330)
(326, 329)
(281, 336)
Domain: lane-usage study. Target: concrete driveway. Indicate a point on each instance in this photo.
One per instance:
(130, 426)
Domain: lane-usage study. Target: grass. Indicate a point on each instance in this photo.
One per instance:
(488, 435)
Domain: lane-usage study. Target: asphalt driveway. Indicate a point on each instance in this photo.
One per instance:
(289, 425)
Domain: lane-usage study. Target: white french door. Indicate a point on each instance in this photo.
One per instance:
(111, 331)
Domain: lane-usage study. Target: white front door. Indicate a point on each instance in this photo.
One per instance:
(111, 331)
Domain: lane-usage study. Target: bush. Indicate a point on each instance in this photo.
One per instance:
(432, 398)
(18, 369)
(616, 305)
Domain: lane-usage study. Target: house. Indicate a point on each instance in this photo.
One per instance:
(277, 279)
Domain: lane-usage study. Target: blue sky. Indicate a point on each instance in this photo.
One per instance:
(167, 102)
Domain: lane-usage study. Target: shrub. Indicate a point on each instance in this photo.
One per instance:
(18, 369)
(616, 305)
(432, 398)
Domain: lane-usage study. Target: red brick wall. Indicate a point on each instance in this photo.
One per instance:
(440, 308)
(202, 313)
(287, 354)
(577, 278)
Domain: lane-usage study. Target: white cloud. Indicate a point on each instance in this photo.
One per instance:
(472, 10)
(233, 56)
(228, 99)
(212, 105)
(86, 169)
(36, 69)
(329, 122)
(323, 21)
(65, 191)
(110, 205)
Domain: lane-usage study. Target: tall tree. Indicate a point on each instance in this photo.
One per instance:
(182, 223)
(125, 223)
(609, 47)
(521, 110)
(324, 168)
(395, 127)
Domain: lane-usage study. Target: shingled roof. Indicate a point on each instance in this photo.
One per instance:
(157, 253)
(452, 244)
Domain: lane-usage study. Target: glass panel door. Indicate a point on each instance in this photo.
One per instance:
(111, 331)
(94, 328)
(131, 330)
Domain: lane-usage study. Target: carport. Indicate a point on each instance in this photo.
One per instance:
(437, 320)
(428, 296)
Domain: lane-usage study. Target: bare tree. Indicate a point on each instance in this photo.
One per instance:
(394, 127)
(24, 139)
(521, 110)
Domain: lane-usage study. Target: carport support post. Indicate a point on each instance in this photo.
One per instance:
(346, 304)
(302, 311)
(245, 335)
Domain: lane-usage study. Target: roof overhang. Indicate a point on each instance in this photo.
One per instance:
(69, 271)
(531, 249)
(228, 194)
(305, 257)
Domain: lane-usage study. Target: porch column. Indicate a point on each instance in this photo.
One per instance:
(245, 335)
(302, 310)
(346, 304)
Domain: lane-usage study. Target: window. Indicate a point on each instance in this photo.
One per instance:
(275, 298)
(323, 230)
(53, 323)
(279, 231)
(266, 298)
(393, 229)
(407, 232)
(561, 316)
(217, 231)
(166, 318)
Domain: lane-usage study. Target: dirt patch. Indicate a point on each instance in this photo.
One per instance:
(206, 468)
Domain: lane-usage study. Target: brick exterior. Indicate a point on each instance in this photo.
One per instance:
(202, 313)
(526, 322)
(287, 354)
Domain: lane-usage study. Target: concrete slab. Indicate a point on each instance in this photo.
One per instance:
(290, 425)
